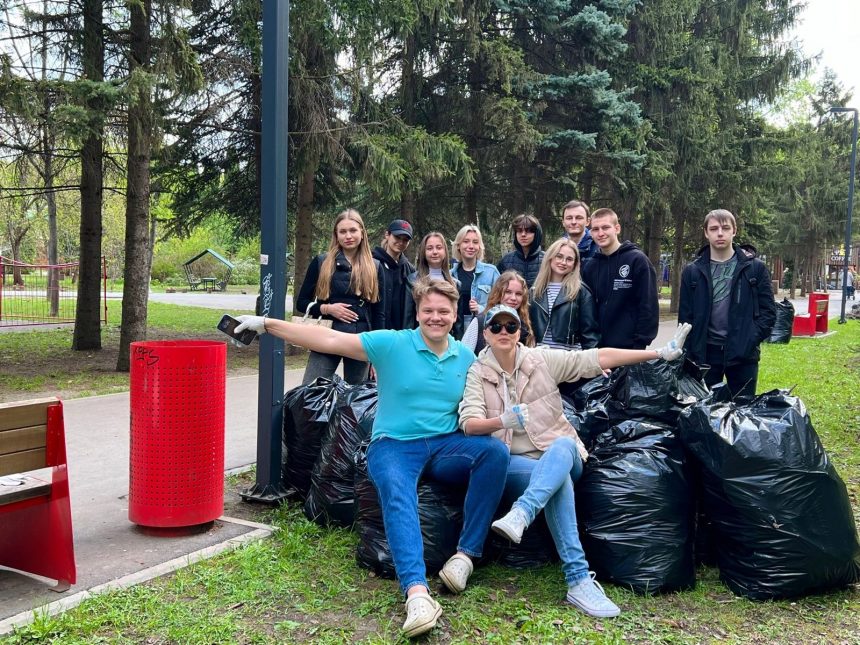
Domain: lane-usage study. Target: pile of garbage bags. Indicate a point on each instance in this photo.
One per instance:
(782, 517)
(660, 446)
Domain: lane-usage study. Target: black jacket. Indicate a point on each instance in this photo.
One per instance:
(752, 310)
(572, 321)
(624, 286)
(395, 273)
(527, 266)
(371, 315)
(409, 311)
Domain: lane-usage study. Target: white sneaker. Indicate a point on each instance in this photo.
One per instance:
(512, 525)
(422, 612)
(455, 574)
(588, 595)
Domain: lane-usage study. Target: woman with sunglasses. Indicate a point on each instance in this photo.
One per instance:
(432, 261)
(511, 290)
(343, 285)
(512, 393)
(562, 307)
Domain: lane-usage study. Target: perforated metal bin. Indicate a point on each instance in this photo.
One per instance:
(176, 470)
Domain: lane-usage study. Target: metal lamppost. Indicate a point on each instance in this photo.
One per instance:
(839, 110)
(273, 247)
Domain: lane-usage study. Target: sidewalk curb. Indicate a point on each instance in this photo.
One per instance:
(260, 532)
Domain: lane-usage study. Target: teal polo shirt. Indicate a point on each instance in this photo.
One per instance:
(419, 392)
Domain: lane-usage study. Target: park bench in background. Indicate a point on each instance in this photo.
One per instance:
(815, 321)
(35, 516)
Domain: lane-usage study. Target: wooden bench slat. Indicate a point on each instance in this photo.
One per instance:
(24, 413)
(23, 439)
(28, 488)
(22, 462)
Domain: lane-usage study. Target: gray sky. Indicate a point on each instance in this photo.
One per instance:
(832, 28)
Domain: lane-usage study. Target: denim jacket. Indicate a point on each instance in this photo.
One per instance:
(485, 277)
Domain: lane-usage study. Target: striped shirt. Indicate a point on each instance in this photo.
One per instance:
(552, 291)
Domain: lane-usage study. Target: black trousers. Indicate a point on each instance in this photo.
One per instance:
(741, 379)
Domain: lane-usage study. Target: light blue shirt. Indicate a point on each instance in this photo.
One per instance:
(419, 392)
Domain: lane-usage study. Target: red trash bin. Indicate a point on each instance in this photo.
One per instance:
(176, 468)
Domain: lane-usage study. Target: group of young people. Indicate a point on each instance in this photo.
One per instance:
(493, 422)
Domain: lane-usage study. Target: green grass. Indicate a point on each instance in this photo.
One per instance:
(303, 584)
(38, 362)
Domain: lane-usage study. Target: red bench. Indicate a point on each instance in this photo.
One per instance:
(814, 322)
(35, 516)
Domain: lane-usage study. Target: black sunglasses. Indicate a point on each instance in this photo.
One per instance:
(511, 327)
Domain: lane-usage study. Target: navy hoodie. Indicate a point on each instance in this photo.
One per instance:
(624, 286)
(527, 266)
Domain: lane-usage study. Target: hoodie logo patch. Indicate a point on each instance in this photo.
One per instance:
(624, 270)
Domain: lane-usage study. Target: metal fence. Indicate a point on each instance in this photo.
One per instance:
(41, 294)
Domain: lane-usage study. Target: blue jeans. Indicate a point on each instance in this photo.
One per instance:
(396, 466)
(547, 483)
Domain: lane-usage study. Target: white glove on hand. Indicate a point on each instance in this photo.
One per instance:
(255, 323)
(515, 418)
(675, 347)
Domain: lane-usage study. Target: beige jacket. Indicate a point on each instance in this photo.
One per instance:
(537, 373)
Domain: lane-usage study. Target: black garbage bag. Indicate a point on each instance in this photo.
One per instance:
(781, 332)
(691, 386)
(656, 390)
(536, 548)
(635, 509)
(307, 412)
(589, 423)
(440, 510)
(781, 513)
(331, 498)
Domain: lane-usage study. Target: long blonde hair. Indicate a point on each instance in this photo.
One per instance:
(572, 281)
(362, 281)
(458, 239)
(421, 258)
(498, 292)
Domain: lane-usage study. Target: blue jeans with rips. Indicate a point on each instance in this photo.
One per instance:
(547, 483)
(395, 466)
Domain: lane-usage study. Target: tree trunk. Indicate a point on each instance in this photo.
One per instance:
(53, 287)
(87, 334)
(654, 234)
(678, 260)
(136, 272)
(304, 225)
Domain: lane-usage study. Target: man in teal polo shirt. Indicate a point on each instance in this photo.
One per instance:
(421, 375)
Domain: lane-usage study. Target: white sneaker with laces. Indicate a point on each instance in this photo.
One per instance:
(588, 596)
(455, 574)
(422, 612)
(512, 525)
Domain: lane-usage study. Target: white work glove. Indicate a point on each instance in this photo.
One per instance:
(255, 323)
(675, 347)
(515, 418)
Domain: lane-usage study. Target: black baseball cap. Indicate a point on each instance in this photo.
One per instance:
(400, 227)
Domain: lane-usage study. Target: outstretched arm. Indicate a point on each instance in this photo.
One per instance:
(317, 339)
(609, 357)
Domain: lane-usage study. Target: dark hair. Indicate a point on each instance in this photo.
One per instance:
(575, 203)
(525, 221)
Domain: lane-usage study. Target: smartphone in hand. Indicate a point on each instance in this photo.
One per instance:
(228, 325)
